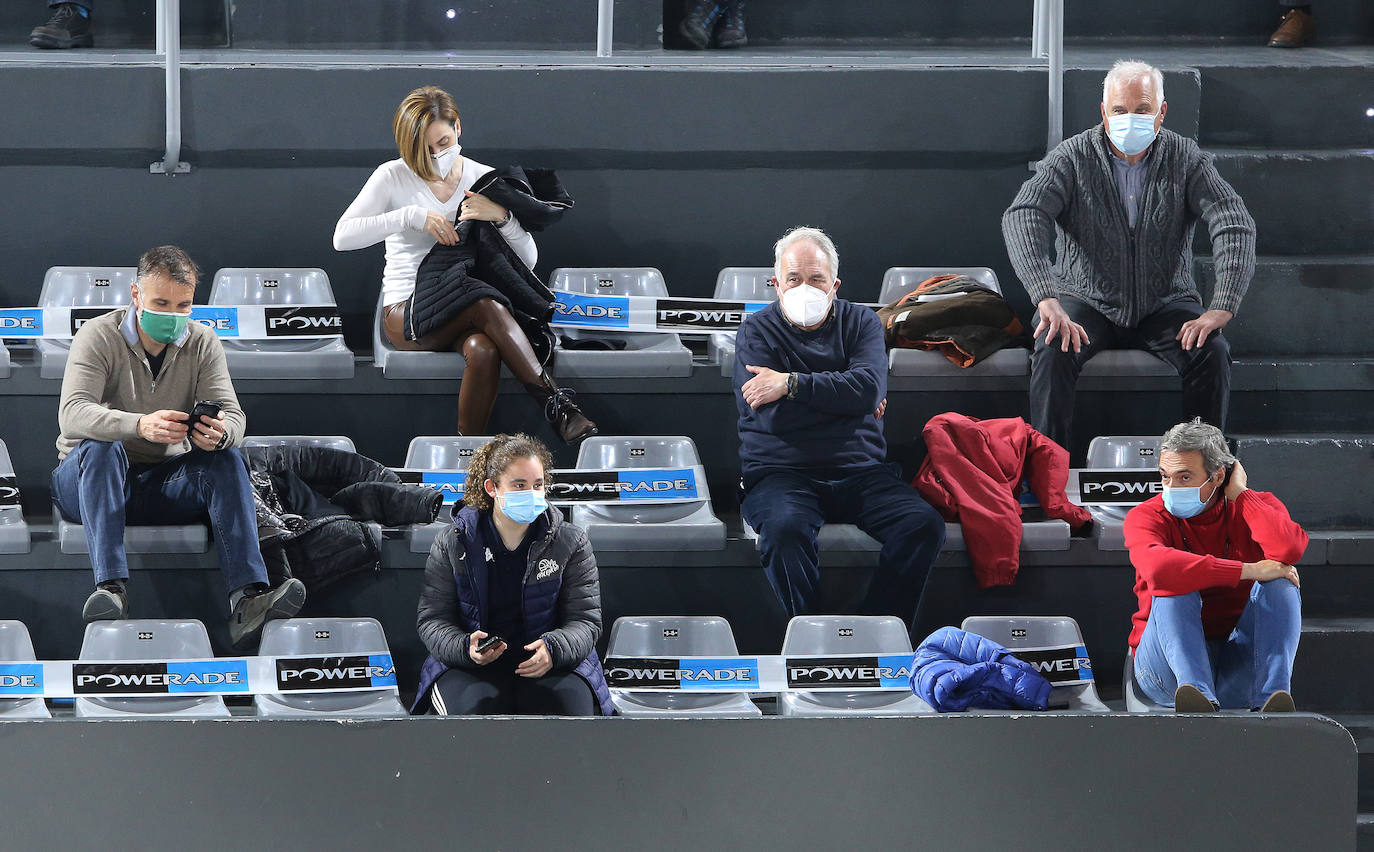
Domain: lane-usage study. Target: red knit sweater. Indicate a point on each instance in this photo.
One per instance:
(1176, 556)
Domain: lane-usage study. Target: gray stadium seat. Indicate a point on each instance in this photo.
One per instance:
(326, 637)
(646, 354)
(900, 280)
(16, 647)
(1136, 699)
(1134, 363)
(326, 358)
(151, 538)
(400, 364)
(668, 526)
(848, 635)
(14, 532)
(676, 636)
(89, 287)
(848, 538)
(148, 639)
(4, 361)
(1120, 452)
(1039, 631)
(746, 284)
(438, 452)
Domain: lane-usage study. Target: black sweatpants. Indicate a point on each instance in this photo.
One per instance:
(501, 692)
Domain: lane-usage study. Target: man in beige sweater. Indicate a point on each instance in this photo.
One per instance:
(128, 454)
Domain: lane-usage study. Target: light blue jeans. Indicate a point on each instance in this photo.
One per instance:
(1239, 672)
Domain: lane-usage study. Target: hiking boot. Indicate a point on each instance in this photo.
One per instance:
(256, 609)
(1296, 29)
(699, 22)
(68, 27)
(1281, 701)
(567, 420)
(109, 602)
(1189, 699)
(730, 29)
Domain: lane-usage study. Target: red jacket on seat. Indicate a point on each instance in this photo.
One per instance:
(972, 475)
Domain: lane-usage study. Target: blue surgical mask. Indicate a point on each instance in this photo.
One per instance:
(523, 507)
(1131, 133)
(1186, 502)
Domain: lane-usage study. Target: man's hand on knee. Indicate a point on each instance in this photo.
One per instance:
(1194, 333)
(1269, 569)
(166, 426)
(1054, 320)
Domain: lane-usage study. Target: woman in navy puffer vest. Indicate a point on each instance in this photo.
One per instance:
(511, 567)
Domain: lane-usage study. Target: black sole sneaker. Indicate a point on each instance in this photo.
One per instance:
(253, 612)
(105, 605)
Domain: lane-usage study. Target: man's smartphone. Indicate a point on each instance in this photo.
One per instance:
(210, 408)
(485, 645)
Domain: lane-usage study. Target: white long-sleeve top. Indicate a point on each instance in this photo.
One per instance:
(393, 205)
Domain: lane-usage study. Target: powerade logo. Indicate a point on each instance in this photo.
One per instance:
(880, 672)
(21, 322)
(222, 321)
(689, 315)
(81, 316)
(449, 483)
(1069, 664)
(21, 679)
(576, 309)
(204, 677)
(315, 674)
(625, 485)
(302, 322)
(1119, 485)
(9, 491)
(701, 673)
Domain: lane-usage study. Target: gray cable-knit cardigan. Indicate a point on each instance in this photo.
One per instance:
(1127, 275)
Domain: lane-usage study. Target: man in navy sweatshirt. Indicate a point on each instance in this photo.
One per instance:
(811, 385)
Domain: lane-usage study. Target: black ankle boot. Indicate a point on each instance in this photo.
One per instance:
(699, 22)
(68, 27)
(561, 412)
(730, 29)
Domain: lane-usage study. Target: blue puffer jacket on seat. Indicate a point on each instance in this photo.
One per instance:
(954, 670)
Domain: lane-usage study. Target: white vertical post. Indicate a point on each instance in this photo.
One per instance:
(605, 26)
(161, 47)
(1038, 50)
(169, 14)
(1054, 26)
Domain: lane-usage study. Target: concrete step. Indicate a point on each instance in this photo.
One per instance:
(1301, 306)
(1361, 727)
(1330, 674)
(1280, 105)
(1364, 832)
(1304, 202)
(1326, 481)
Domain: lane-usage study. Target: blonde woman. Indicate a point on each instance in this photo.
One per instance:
(413, 203)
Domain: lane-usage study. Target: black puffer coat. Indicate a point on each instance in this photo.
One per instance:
(313, 504)
(482, 265)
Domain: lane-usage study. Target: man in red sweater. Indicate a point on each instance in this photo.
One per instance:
(1220, 611)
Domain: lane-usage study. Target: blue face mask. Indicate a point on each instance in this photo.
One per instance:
(1186, 502)
(1131, 133)
(523, 507)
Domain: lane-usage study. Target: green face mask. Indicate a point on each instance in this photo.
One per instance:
(162, 327)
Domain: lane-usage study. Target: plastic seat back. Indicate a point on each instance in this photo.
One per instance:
(900, 280)
(746, 284)
(443, 452)
(87, 286)
(671, 636)
(331, 442)
(327, 637)
(14, 531)
(16, 646)
(619, 281)
(1122, 452)
(608, 452)
(271, 286)
(846, 634)
(1039, 631)
(148, 639)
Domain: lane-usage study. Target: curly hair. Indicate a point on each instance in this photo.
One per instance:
(491, 460)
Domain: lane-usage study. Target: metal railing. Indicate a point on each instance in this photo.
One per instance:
(1047, 42)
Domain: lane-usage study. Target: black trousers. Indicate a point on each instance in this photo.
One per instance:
(1206, 371)
(501, 692)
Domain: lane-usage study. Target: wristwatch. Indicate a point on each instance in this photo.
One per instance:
(223, 441)
(504, 221)
(791, 385)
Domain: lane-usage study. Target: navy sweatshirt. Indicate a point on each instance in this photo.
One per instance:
(829, 429)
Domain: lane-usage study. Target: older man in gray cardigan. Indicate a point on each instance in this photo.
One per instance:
(1117, 206)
